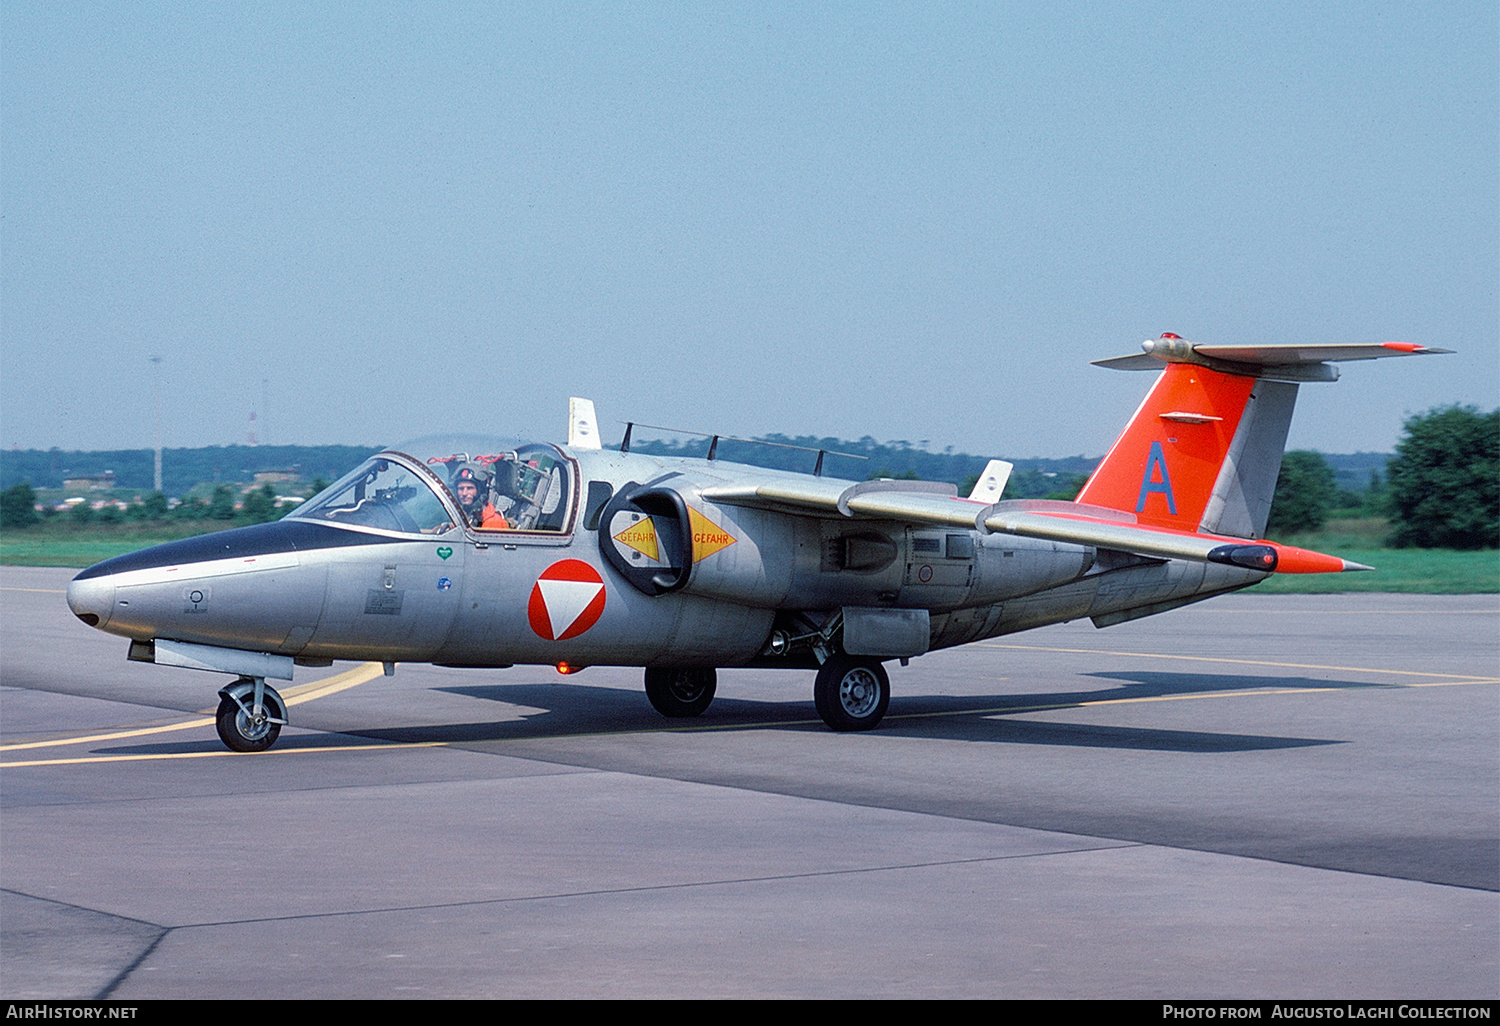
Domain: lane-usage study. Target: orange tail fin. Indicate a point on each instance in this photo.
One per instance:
(1201, 454)
(1204, 450)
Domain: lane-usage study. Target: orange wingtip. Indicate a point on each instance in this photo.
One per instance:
(1292, 560)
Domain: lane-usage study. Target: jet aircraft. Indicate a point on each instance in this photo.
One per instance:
(472, 552)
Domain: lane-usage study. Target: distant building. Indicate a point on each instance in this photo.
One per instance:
(275, 476)
(90, 483)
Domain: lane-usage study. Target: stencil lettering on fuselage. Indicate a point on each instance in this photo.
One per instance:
(708, 537)
(640, 535)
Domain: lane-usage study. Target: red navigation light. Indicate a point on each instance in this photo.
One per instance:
(1252, 557)
(567, 668)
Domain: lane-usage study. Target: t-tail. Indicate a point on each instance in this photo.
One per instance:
(1203, 452)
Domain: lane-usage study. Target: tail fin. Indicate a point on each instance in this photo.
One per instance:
(1186, 461)
(1203, 452)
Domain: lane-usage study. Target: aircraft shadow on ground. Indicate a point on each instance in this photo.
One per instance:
(576, 710)
(998, 720)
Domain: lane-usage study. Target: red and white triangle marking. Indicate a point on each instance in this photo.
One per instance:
(567, 599)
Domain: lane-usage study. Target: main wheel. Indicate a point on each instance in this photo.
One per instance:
(680, 691)
(851, 694)
(240, 728)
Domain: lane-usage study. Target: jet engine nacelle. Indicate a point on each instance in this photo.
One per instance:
(663, 541)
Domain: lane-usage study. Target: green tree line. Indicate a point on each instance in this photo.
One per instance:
(1440, 490)
(182, 469)
(221, 509)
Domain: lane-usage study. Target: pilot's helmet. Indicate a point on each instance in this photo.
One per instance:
(478, 476)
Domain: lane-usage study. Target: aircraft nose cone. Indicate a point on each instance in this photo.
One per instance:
(92, 600)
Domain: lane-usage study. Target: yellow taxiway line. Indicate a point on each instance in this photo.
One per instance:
(368, 671)
(293, 696)
(225, 753)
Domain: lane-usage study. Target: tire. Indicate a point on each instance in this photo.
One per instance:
(852, 694)
(680, 691)
(240, 732)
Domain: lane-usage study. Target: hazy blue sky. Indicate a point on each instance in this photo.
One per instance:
(908, 221)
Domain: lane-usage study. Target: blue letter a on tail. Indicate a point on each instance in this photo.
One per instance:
(1156, 460)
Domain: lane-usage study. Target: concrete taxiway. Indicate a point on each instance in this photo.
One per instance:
(1258, 796)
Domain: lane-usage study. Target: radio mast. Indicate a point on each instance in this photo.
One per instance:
(156, 374)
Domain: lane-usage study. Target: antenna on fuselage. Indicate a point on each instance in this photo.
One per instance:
(713, 444)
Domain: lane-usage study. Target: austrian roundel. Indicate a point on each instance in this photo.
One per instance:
(567, 599)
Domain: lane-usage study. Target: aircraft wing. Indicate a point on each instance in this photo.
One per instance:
(1073, 523)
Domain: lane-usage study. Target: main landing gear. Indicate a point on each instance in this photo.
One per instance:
(851, 693)
(251, 715)
(680, 690)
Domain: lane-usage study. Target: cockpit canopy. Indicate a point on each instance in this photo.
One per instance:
(434, 485)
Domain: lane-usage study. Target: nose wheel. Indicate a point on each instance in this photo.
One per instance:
(251, 715)
(851, 694)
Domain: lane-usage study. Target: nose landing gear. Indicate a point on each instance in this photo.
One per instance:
(251, 715)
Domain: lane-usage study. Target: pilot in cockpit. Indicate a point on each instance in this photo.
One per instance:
(471, 484)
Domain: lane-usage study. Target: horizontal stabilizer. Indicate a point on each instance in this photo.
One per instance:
(1286, 355)
(1286, 362)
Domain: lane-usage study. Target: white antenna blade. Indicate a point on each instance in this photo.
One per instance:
(583, 427)
(992, 482)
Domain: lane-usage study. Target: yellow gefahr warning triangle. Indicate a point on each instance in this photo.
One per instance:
(708, 537)
(641, 536)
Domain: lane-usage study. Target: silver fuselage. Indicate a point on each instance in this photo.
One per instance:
(453, 594)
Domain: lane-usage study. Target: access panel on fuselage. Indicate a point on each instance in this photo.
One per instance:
(390, 601)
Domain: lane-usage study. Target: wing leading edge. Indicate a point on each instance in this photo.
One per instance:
(1072, 523)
